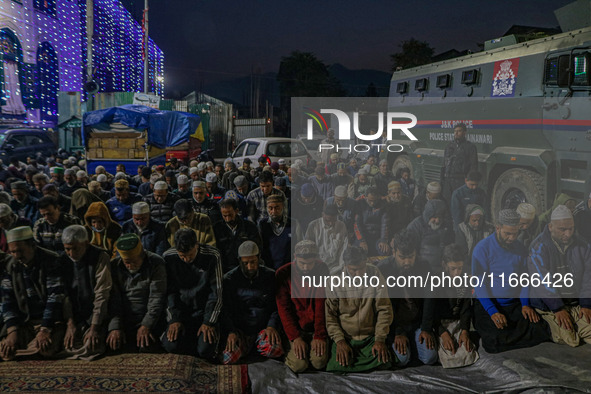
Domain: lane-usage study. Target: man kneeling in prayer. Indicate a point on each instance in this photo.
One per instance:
(358, 319)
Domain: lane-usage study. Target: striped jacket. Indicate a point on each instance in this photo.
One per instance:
(49, 235)
(194, 289)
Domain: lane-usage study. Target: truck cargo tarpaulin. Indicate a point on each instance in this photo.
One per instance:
(164, 128)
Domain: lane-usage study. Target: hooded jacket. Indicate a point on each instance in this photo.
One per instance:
(81, 200)
(466, 237)
(107, 238)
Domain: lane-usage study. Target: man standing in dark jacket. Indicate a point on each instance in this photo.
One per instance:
(459, 158)
(232, 232)
(250, 311)
(558, 252)
(151, 232)
(194, 274)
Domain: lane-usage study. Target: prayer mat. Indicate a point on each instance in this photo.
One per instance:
(124, 373)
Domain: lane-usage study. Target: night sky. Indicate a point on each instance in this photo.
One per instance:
(208, 41)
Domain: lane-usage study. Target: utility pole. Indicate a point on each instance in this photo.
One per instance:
(146, 48)
(89, 34)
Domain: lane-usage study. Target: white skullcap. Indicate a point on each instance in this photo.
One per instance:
(182, 180)
(340, 191)
(211, 177)
(154, 178)
(120, 175)
(80, 174)
(160, 185)
(193, 170)
(560, 213)
(526, 211)
(201, 166)
(434, 187)
(281, 162)
(139, 208)
(101, 178)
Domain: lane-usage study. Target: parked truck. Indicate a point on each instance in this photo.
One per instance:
(136, 135)
(527, 106)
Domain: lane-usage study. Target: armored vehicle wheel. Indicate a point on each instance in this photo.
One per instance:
(515, 186)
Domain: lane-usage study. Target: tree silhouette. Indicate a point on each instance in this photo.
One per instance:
(414, 53)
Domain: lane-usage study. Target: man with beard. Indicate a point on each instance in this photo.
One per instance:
(48, 229)
(452, 312)
(194, 275)
(472, 230)
(232, 232)
(383, 178)
(161, 202)
(502, 314)
(95, 188)
(120, 205)
(459, 158)
(362, 182)
(8, 221)
(432, 192)
(341, 177)
(398, 208)
(33, 293)
(151, 232)
(432, 233)
(241, 190)
(138, 298)
(57, 176)
(371, 225)
(257, 199)
(321, 183)
(307, 205)
(186, 217)
(558, 250)
(87, 277)
(250, 311)
(24, 205)
(411, 332)
(278, 232)
(204, 205)
(347, 209)
(301, 309)
(331, 236)
(528, 224)
(358, 319)
(469, 193)
(183, 190)
(70, 184)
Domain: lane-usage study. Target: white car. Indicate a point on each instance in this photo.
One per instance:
(272, 148)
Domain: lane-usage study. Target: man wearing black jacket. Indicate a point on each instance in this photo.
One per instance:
(232, 232)
(194, 274)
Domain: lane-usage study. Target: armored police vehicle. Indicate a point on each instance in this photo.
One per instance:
(527, 106)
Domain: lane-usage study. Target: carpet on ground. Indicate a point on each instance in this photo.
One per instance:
(544, 368)
(124, 373)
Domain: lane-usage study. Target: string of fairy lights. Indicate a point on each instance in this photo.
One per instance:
(46, 39)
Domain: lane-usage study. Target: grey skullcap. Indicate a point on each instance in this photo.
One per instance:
(240, 181)
(281, 162)
(363, 171)
(280, 181)
(120, 175)
(340, 191)
(182, 180)
(81, 174)
(101, 178)
(508, 217)
(160, 185)
(201, 166)
(69, 171)
(211, 177)
(247, 249)
(198, 184)
(526, 211)
(193, 170)
(139, 208)
(5, 210)
(561, 212)
(19, 185)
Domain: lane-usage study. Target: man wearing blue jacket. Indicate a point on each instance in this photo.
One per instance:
(559, 253)
(502, 313)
